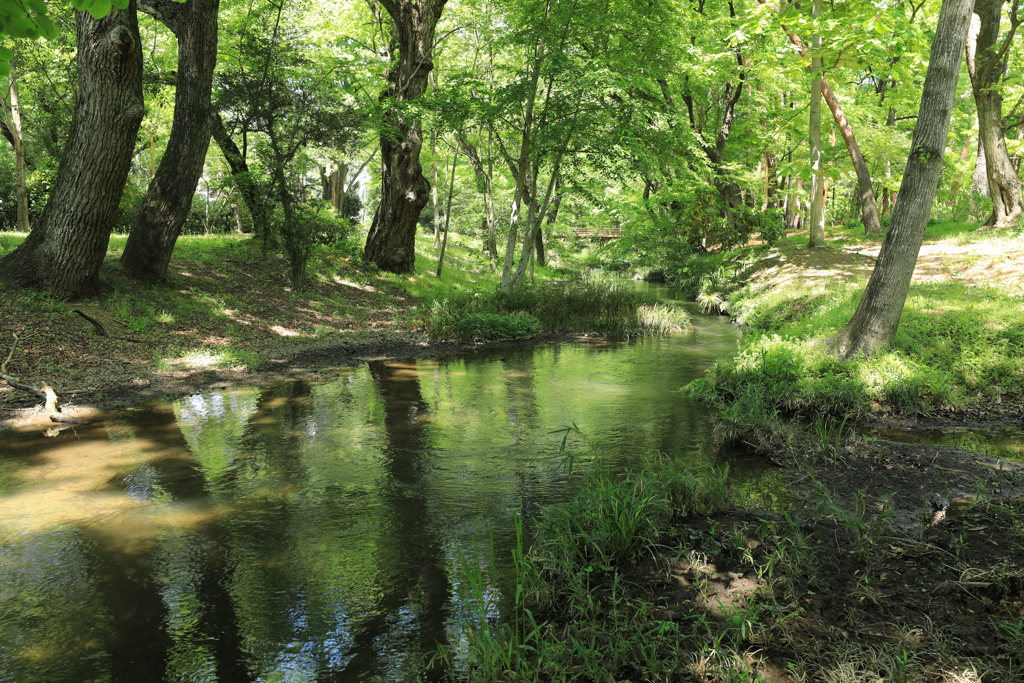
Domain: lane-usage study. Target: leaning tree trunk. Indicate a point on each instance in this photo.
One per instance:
(404, 190)
(878, 316)
(169, 198)
(866, 193)
(65, 249)
(986, 64)
(252, 195)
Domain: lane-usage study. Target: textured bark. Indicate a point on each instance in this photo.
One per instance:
(986, 64)
(404, 189)
(65, 249)
(877, 317)
(168, 200)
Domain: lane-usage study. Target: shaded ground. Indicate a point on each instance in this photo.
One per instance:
(902, 562)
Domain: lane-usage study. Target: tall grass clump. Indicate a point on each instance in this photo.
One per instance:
(571, 617)
(594, 306)
(615, 519)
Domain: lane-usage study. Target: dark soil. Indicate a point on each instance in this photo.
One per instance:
(900, 562)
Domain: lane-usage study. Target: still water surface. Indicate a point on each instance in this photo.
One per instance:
(308, 532)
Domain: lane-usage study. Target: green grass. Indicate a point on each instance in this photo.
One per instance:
(958, 345)
(10, 240)
(465, 303)
(572, 575)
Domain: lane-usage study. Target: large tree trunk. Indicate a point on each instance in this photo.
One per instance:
(986, 63)
(169, 198)
(65, 249)
(404, 191)
(877, 317)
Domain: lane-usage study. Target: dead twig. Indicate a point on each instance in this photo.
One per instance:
(3, 368)
(13, 382)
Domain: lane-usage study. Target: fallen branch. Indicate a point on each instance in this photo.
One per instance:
(95, 323)
(46, 394)
(53, 410)
(13, 382)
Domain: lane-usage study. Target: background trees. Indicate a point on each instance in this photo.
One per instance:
(680, 128)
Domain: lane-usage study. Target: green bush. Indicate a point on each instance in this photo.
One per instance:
(484, 326)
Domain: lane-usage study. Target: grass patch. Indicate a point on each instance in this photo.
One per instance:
(622, 584)
(600, 307)
(591, 628)
(959, 344)
(10, 240)
(465, 303)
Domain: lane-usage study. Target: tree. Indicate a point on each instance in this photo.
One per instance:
(65, 249)
(987, 58)
(169, 199)
(404, 189)
(866, 194)
(287, 95)
(816, 228)
(12, 130)
(877, 317)
(251, 191)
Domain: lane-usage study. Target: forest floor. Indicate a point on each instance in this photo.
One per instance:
(904, 562)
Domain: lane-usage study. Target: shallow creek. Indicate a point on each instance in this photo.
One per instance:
(316, 531)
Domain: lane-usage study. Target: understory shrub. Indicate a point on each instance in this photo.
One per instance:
(604, 307)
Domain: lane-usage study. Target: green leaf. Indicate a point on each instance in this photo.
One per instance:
(47, 27)
(6, 54)
(5, 69)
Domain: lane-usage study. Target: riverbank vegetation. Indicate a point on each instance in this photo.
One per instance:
(655, 576)
(216, 318)
(960, 344)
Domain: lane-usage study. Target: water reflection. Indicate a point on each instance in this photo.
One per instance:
(311, 532)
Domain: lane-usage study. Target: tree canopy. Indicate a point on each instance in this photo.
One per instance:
(674, 126)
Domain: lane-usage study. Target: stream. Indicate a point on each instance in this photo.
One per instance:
(307, 532)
